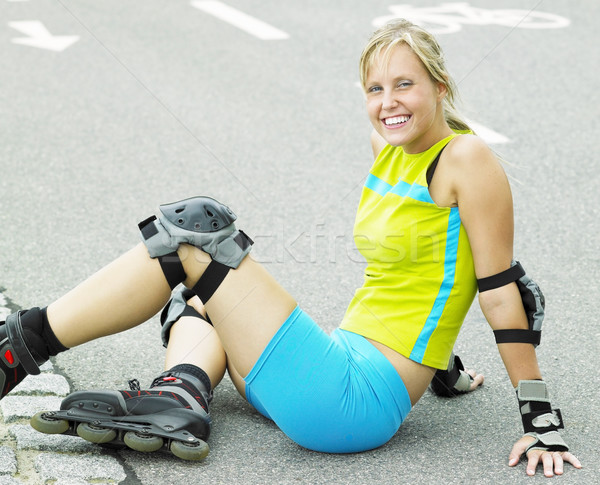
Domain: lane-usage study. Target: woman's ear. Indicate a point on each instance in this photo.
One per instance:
(442, 87)
(442, 91)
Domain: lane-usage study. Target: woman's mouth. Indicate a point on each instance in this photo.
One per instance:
(396, 121)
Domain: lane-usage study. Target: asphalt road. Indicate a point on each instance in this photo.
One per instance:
(156, 101)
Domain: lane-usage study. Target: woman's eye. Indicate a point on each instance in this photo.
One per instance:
(374, 89)
(404, 84)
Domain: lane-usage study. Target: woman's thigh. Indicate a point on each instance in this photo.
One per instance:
(335, 394)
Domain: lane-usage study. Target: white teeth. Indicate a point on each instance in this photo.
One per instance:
(396, 120)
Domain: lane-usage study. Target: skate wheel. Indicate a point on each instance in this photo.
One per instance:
(189, 451)
(45, 423)
(145, 443)
(96, 434)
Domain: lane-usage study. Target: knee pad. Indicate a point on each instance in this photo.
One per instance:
(202, 222)
(533, 299)
(176, 308)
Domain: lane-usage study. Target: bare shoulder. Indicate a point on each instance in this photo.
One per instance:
(471, 161)
(483, 195)
(467, 150)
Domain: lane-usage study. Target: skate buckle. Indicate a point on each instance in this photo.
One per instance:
(9, 357)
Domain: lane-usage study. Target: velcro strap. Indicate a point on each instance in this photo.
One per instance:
(532, 390)
(517, 335)
(542, 421)
(16, 338)
(453, 381)
(243, 240)
(463, 383)
(172, 268)
(148, 230)
(170, 263)
(453, 372)
(190, 311)
(458, 379)
(210, 280)
(550, 441)
(504, 278)
(535, 408)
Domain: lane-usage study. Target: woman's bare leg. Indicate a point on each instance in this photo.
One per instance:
(246, 310)
(120, 296)
(237, 379)
(194, 341)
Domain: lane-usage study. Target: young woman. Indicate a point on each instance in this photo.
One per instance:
(434, 222)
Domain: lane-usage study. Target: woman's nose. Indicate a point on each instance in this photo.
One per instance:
(389, 101)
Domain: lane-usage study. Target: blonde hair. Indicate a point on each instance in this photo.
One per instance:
(427, 49)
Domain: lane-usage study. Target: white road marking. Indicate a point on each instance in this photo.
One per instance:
(242, 21)
(38, 36)
(449, 18)
(489, 136)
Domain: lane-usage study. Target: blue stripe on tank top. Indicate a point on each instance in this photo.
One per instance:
(377, 185)
(452, 235)
(403, 189)
(414, 191)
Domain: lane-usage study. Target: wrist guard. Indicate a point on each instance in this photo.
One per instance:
(539, 419)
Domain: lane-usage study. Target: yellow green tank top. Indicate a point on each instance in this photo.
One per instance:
(419, 281)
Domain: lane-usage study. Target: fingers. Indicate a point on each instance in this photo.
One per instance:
(572, 459)
(548, 464)
(477, 379)
(515, 456)
(552, 462)
(558, 464)
(518, 449)
(533, 459)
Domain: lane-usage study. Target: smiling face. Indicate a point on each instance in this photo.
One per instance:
(403, 103)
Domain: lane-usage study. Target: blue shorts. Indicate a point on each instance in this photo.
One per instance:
(334, 394)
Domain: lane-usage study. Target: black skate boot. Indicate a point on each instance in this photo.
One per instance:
(26, 342)
(172, 414)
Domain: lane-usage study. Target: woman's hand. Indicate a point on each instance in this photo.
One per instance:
(552, 461)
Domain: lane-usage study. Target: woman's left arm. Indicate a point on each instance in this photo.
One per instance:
(481, 190)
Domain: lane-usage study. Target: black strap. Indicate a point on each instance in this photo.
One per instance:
(190, 311)
(148, 230)
(170, 263)
(16, 339)
(454, 372)
(528, 418)
(504, 278)
(172, 269)
(517, 335)
(433, 166)
(243, 240)
(210, 280)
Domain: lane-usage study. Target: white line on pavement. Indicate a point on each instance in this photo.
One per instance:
(242, 21)
(490, 136)
(38, 36)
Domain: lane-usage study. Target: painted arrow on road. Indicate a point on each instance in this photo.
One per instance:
(38, 36)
